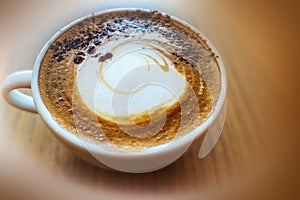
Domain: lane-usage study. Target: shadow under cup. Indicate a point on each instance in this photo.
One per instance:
(200, 140)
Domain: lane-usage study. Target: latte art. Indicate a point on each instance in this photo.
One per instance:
(138, 79)
(127, 79)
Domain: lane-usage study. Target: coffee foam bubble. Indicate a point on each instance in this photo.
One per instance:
(138, 80)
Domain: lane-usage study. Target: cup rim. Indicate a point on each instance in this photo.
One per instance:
(64, 134)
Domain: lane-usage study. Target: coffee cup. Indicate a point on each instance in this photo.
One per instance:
(126, 89)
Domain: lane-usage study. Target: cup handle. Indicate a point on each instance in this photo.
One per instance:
(18, 80)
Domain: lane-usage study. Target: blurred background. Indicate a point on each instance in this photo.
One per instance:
(257, 155)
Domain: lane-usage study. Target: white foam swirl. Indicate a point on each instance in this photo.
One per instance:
(137, 79)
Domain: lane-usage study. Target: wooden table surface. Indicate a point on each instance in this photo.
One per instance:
(257, 155)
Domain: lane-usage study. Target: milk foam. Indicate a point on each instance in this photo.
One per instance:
(137, 79)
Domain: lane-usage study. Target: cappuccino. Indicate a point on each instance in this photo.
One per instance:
(131, 79)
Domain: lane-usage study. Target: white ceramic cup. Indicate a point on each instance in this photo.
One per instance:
(137, 162)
